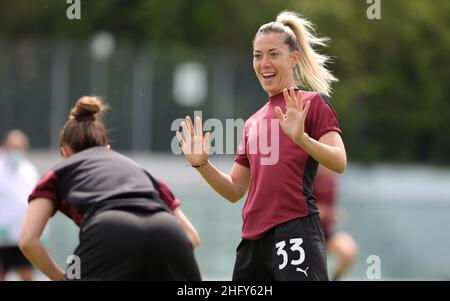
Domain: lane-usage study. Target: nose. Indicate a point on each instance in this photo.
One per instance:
(265, 61)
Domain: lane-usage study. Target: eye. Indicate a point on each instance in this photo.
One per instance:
(257, 56)
(274, 54)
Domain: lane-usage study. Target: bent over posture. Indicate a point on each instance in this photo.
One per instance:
(127, 229)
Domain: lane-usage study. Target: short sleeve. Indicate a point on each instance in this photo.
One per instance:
(241, 155)
(167, 196)
(47, 188)
(322, 118)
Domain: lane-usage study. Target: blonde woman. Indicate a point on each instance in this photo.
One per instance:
(282, 238)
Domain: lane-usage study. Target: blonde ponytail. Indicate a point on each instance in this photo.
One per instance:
(299, 36)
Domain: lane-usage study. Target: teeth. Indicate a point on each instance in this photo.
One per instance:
(268, 74)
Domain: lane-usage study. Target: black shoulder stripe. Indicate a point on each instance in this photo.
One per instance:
(309, 174)
(154, 181)
(326, 99)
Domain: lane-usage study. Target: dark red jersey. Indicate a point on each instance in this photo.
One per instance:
(282, 173)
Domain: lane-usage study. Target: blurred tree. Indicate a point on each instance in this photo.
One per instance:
(394, 73)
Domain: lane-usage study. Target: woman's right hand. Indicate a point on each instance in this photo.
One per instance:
(194, 145)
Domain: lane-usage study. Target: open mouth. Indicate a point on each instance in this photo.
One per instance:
(268, 75)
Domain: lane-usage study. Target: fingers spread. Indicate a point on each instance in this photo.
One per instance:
(186, 131)
(191, 126)
(179, 138)
(292, 95)
(198, 125)
(206, 143)
(308, 104)
(279, 114)
(287, 98)
(300, 100)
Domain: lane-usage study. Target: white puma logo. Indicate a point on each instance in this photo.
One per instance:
(303, 271)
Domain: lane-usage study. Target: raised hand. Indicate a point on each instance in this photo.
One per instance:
(194, 145)
(293, 122)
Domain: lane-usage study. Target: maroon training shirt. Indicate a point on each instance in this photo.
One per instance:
(281, 180)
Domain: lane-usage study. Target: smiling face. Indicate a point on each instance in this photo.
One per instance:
(274, 63)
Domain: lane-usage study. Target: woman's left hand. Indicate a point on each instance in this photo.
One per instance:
(293, 122)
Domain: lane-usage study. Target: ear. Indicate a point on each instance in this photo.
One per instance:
(295, 57)
(65, 152)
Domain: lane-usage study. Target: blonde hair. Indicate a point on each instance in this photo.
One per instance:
(299, 36)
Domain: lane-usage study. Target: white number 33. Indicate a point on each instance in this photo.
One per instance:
(296, 242)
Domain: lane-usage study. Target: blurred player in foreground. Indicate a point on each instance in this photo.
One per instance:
(127, 229)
